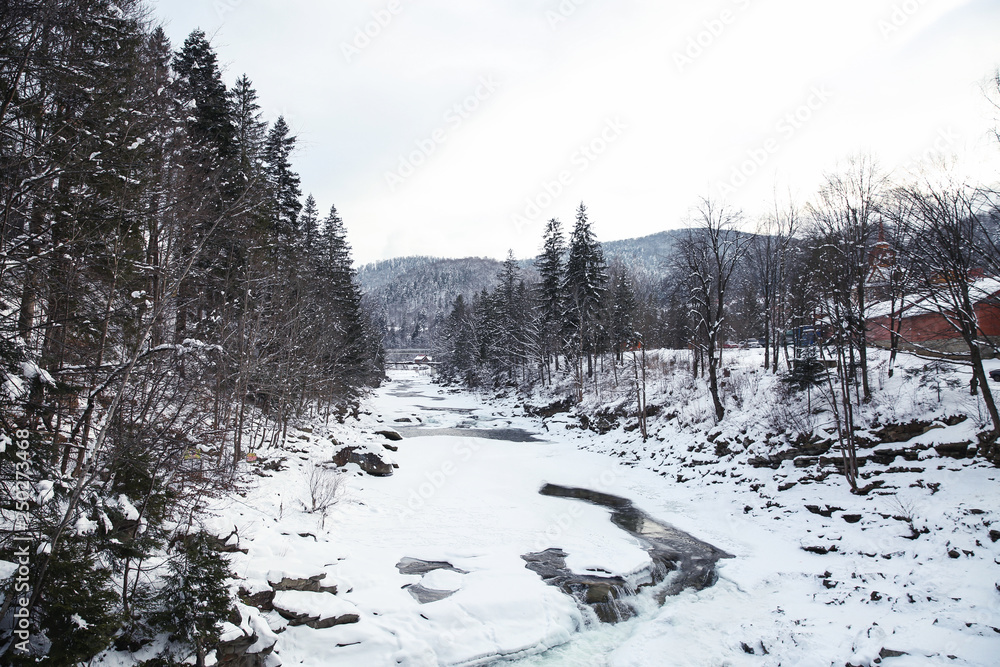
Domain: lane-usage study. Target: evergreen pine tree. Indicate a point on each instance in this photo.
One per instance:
(506, 341)
(211, 169)
(459, 359)
(552, 272)
(195, 597)
(309, 224)
(249, 129)
(80, 606)
(623, 311)
(211, 124)
(284, 185)
(586, 282)
(345, 357)
(551, 292)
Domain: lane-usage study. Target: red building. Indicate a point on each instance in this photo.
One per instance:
(925, 323)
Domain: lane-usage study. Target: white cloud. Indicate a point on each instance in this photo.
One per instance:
(892, 92)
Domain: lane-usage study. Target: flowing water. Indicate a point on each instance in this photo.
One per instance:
(507, 434)
(615, 607)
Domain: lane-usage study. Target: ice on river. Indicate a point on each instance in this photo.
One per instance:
(474, 503)
(467, 501)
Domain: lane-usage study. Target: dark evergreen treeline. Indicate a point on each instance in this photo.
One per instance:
(167, 304)
(415, 294)
(814, 286)
(580, 313)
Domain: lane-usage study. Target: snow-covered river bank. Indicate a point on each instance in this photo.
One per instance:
(454, 520)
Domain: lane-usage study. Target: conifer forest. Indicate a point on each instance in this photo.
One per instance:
(222, 442)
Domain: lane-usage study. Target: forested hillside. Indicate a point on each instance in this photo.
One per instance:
(649, 257)
(180, 321)
(414, 294)
(909, 265)
(167, 305)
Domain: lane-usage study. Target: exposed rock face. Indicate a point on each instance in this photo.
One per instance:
(323, 623)
(251, 642)
(234, 653)
(886, 456)
(808, 451)
(420, 567)
(550, 410)
(390, 435)
(605, 595)
(373, 462)
(826, 512)
(310, 584)
(263, 600)
(955, 450)
(804, 452)
(904, 432)
(315, 610)
(313, 621)
(670, 550)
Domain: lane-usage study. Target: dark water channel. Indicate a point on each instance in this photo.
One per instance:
(678, 561)
(508, 434)
(689, 561)
(466, 429)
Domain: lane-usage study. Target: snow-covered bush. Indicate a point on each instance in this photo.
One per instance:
(326, 487)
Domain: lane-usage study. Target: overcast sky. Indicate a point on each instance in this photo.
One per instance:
(457, 127)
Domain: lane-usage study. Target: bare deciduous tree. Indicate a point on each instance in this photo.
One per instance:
(769, 259)
(950, 252)
(847, 219)
(708, 256)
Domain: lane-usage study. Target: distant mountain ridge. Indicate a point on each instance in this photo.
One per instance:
(649, 256)
(417, 293)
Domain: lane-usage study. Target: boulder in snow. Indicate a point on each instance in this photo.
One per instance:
(309, 584)
(315, 610)
(373, 461)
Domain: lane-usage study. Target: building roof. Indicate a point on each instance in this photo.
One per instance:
(916, 304)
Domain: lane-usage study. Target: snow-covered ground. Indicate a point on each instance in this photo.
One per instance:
(470, 502)
(913, 567)
(910, 574)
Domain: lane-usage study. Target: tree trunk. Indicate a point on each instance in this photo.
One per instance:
(863, 344)
(29, 294)
(895, 327)
(713, 381)
(979, 375)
